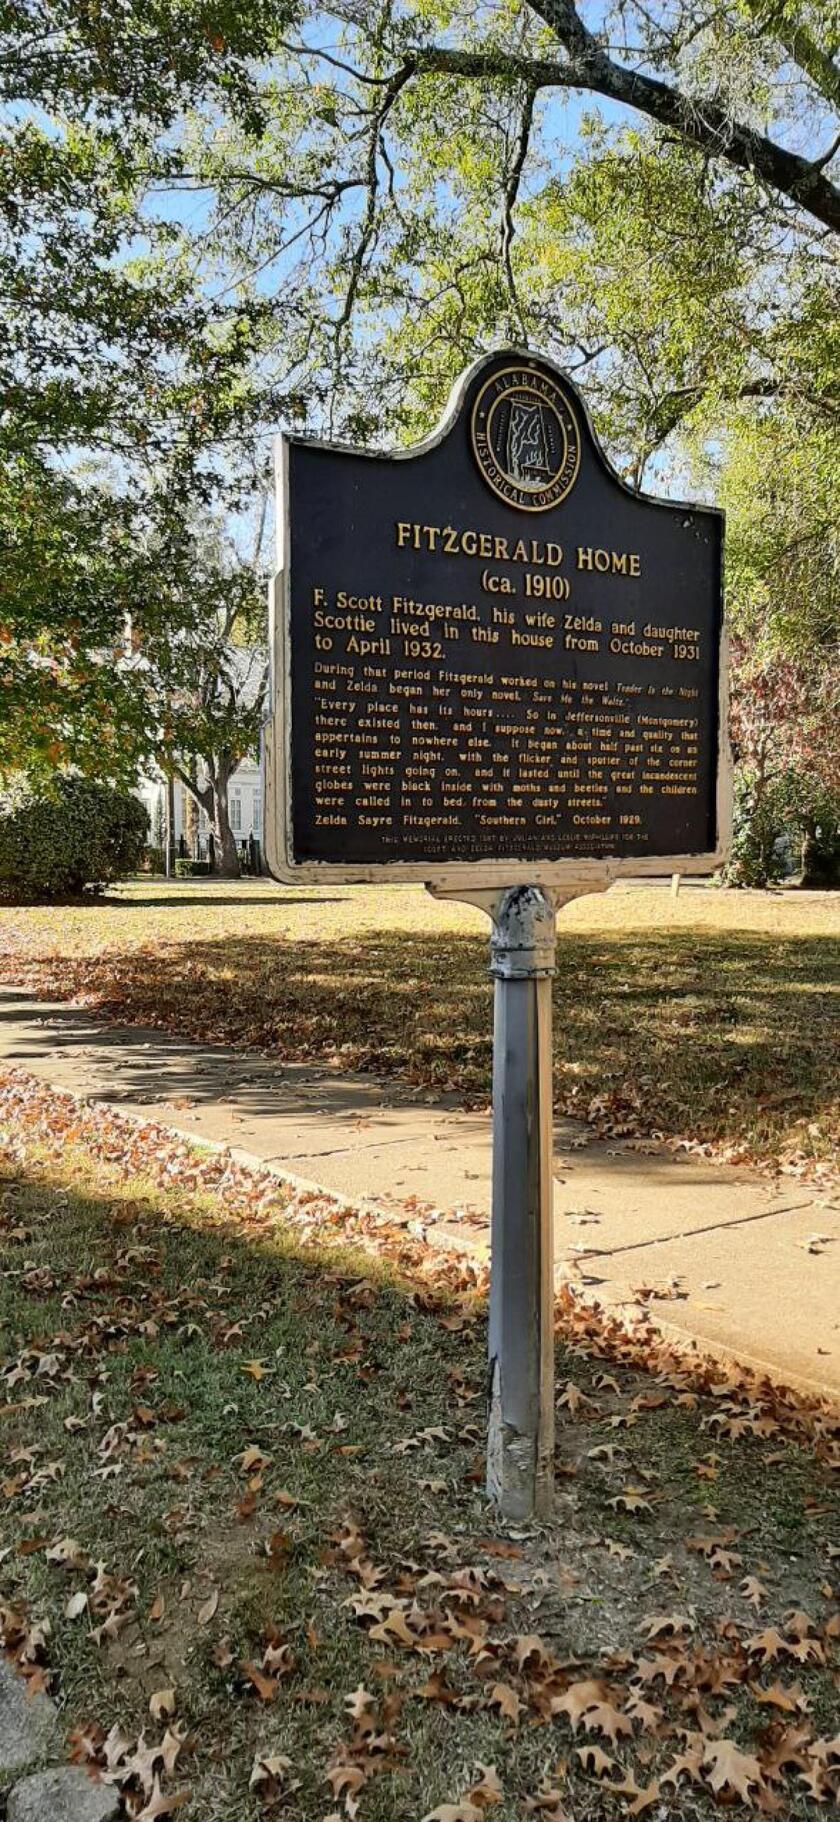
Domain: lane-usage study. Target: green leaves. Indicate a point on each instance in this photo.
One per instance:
(119, 376)
(143, 60)
(78, 833)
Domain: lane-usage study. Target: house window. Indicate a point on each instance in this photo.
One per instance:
(257, 812)
(235, 813)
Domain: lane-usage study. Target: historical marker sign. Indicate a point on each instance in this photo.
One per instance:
(498, 670)
(493, 661)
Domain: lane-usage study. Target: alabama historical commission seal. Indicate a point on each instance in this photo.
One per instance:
(525, 438)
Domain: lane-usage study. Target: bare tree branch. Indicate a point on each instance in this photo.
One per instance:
(393, 89)
(202, 795)
(703, 123)
(511, 191)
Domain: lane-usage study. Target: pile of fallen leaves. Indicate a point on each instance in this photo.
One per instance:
(245, 1542)
(667, 1703)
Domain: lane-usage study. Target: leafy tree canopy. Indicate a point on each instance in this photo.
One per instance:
(123, 381)
(231, 215)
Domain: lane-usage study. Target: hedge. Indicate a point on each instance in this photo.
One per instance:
(56, 840)
(191, 869)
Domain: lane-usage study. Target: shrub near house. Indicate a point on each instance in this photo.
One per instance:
(74, 833)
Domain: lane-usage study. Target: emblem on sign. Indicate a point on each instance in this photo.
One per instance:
(525, 438)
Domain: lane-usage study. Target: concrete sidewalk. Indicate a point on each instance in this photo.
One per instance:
(744, 1265)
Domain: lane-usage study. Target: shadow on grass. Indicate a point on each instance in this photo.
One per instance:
(190, 1475)
(165, 1303)
(717, 1037)
(172, 899)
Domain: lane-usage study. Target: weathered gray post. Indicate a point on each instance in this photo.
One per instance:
(520, 1447)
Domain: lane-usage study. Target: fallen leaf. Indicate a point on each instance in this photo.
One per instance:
(360, 1700)
(266, 1686)
(206, 1612)
(253, 1460)
(159, 1805)
(666, 1625)
(393, 1626)
(643, 1799)
(529, 1645)
(766, 1645)
(606, 1719)
(270, 1768)
(633, 1499)
(594, 1761)
(455, 1812)
(728, 1768)
(788, 1700)
(687, 1765)
(162, 1704)
(575, 1701)
(68, 1554)
(503, 1697)
(346, 1780)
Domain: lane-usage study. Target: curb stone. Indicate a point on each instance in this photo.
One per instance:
(28, 1725)
(63, 1795)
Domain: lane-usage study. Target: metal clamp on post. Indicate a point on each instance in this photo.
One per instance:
(523, 943)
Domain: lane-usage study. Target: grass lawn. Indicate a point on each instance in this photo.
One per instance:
(243, 1523)
(711, 1018)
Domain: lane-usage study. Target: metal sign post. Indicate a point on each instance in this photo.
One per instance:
(520, 1441)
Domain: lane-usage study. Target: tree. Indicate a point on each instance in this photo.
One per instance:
(139, 61)
(685, 264)
(380, 193)
(778, 480)
(120, 380)
(416, 197)
(204, 687)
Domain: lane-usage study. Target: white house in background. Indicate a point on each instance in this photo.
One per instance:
(245, 809)
(241, 682)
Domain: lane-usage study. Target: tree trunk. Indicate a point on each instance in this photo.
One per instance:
(820, 862)
(227, 853)
(169, 856)
(213, 799)
(191, 825)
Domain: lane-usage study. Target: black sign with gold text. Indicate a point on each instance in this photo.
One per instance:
(497, 651)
